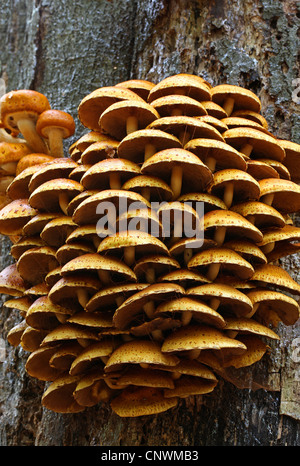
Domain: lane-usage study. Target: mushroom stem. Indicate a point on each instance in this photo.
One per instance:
(219, 235)
(176, 112)
(150, 150)
(63, 202)
(267, 199)
(55, 138)
(251, 219)
(82, 297)
(186, 317)
(9, 168)
(194, 353)
(114, 181)
(120, 300)
(131, 124)
(150, 275)
(146, 193)
(62, 318)
(213, 271)
(228, 105)
(149, 309)
(211, 163)
(129, 255)
(27, 128)
(214, 303)
(184, 137)
(104, 276)
(157, 335)
(228, 194)
(176, 181)
(187, 255)
(246, 149)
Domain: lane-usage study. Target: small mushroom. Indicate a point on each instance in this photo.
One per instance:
(56, 231)
(73, 292)
(122, 118)
(94, 104)
(191, 339)
(283, 195)
(10, 154)
(131, 244)
(254, 143)
(56, 168)
(148, 268)
(171, 105)
(109, 173)
(111, 297)
(54, 126)
(214, 110)
(141, 401)
(34, 264)
(275, 276)
(233, 98)
(186, 128)
(181, 84)
(141, 87)
(95, 353)
(55, 195)
(11, 282)
(151, 188)
(237, 325)
(292, 156)
(259, 169)
(260, 214)
(273, 306)
(99, 150)
(229, 224)
(20, 110)
(181, 169)
(190, 310)
(58, 397)
(216, 154)
(144, 301)
(45, 315)
(14, 216)
(252, 116)
(38, 366)
(273, 237)
(221, 260)
(139, 145)
(222, 297)
(234, 185)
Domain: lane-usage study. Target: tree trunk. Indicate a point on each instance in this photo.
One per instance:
(66, 49)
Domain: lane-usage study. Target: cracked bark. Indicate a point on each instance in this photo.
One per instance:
(66, 49)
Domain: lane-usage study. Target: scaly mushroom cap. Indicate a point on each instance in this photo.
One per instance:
(55, 119)
(210, 201)
(141, 401)
(183, 85)
(109, 173)
(44, 315)
(244, 186)
(91, 355)
(134, 305)
(34, 264)
(109, 298)
(200, 337)
(56, 168)
(216, 153)
(10, 154)
(70, 291)
(214, 110)
(141, 144)
(38, 364)
(138, 352)
(242, 98)
(279, 168)
(195, 174)
(266, 303)
(14, 216)
(263, 145)
(261, 214)
(98, 151)
(150, 267)
(252, 116)
(225, 297)
(292, 158)
(140, 377)
(269, 274)
(215, 122)
(190, 309)
(58, 397)
(22, 101)
(251, 252)
(54, 195)
(142, 242)
(93, 263)
(11, 282)
(230, 262)
(285, 194)
(259, 169)
(141, 87)
(150, 187)
(18, 188)
(122, 118)
(246, 325)
(235, 224)
(178, 105)
(25, 243)
(186, 128)
(238, 121)
(56, 231)
(186, 386)
(86, 212)
(94, 104)
(36, 224)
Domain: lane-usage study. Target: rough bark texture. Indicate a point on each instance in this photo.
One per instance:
(66, 49)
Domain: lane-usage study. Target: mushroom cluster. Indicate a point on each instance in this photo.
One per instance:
(128, 306)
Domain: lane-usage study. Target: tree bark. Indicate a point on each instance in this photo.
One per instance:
(66, 49)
